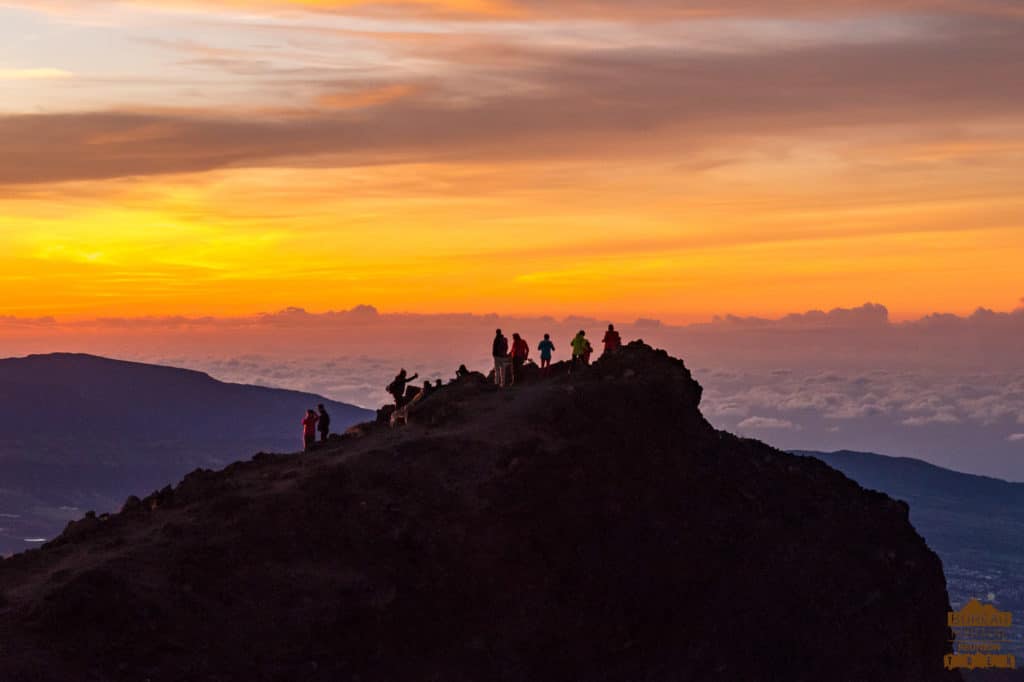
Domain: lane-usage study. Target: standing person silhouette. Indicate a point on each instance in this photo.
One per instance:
(546, 348)
(612, 340)
(520, 352)
(323, 422)
(499, 349)
(309, 430)
(579, 350)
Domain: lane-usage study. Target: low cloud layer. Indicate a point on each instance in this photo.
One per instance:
(945, 388)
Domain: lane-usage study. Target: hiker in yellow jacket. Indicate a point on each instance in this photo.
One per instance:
(580, 347)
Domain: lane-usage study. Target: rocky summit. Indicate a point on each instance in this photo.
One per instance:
(589, 526)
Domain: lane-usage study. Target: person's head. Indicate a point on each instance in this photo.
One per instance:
(438, 383)
(611, 327)
(497, 332)
(547, 337)
(402, 372)
(320, 407)
(582, 333)
(515, 336)
(310, 413)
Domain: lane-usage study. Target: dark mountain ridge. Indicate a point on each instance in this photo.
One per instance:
(974, 523)
(586, 527)
(85, 431)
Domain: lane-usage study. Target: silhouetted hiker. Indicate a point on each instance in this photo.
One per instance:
(397, 387)
(499, 349)
(309, 430)
(587, 351)
(520, 352)
(438, 384)
(546, 348)
(579, 349)
(612, 340)
(462, 372)
(323, 422)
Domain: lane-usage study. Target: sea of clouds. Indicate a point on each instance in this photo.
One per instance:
(944, 388)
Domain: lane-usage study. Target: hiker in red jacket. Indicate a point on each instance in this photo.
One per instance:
(520, 352)
(309, 429)
(612, 340)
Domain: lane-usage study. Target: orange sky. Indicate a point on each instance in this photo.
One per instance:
(162, 158)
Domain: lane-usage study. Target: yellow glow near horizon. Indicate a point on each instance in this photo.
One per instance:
(445, 239)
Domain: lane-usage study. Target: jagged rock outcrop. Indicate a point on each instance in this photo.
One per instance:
(587, 527)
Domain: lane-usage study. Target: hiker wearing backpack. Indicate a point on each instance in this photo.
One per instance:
(612, 340)
(397, 387)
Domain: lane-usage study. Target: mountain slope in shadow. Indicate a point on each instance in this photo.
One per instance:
(587, 527)
(79, 431)
(974, 523)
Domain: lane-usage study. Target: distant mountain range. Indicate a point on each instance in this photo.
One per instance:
(80, 432)
(974, 523)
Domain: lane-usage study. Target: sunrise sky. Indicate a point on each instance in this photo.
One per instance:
(643, 158)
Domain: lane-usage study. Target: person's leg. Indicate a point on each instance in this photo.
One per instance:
(497, 371)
